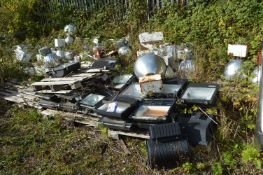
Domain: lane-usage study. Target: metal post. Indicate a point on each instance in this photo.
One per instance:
(259, 123)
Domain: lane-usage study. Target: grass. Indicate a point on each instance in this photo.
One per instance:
(33, 144)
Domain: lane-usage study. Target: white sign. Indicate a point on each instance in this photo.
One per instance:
(150, 37)
(147, 39)
(237, 50)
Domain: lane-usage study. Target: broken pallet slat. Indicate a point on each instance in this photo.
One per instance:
(18, 94)
(18, 87)
(124, 147)
(26, 90)
(86, 64)
(63, 79)
(51, 83)
(92, 121)
(115, 134)
(87, 75)
(11, 97)
(54, 92)
(19, 99)
(56, 86)
(79, 118)
(95, 70)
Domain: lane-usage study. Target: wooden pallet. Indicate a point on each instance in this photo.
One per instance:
(27, 97)
(94, 122)
(75, 117)
(57, 85)
(21, 98)
(62, 85)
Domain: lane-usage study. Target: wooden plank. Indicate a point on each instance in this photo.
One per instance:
(19, 94)
(11, 97)
(40, 83)
(155, 77)
(76, 85)
(86, 65)
(87, 75)
(124, 147)
(28, 91)
(20, 99)
(63, 79)
(95, 70)
(79, 118)
(12, 84)
(19, 88)
(54, 92)
(57, 86)
(115, 134)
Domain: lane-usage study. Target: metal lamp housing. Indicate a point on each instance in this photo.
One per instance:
(233, 69)
(149, 64)
(124, 50)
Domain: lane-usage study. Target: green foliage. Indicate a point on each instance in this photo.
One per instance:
(229, 159)
(217, 169)
(143, 148)
(7, 67)
(200, 166)
(103, 130)
(188, 167)
(251, 154)
(32, 18)
(20, 16)
(211, 26)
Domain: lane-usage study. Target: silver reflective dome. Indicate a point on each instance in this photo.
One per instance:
(69, 39)
(149, 64)
(124, 50)
(70, 28)
(51, 60)
(232, 69)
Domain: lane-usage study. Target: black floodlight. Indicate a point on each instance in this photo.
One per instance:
(205, 94)
(116, 124)
(91, 100)
(153, 110)
(120, 81)
(133, 90)
(121, 107)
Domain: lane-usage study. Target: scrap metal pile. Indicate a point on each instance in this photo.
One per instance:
(152, 100)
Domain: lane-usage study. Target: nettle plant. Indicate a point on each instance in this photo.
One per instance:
(20, 16)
